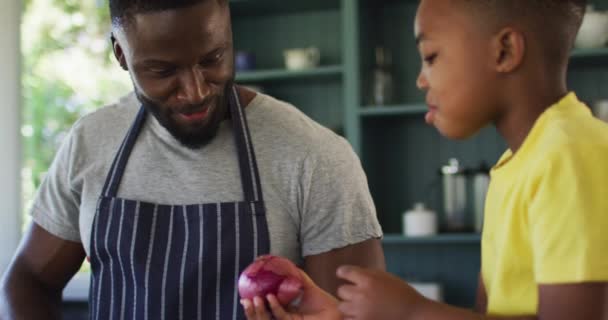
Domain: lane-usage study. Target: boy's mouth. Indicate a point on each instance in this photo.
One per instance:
(430, 115)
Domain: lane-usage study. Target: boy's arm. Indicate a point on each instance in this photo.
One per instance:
(573, 301)
(556, 302)
(379, 295)
(481, 303)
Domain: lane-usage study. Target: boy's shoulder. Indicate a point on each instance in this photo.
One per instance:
(567, 141)
(573, 130)
(573, 145)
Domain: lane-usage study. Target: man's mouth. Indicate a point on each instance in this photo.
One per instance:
(195, 115)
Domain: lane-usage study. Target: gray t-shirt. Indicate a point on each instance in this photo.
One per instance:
(316, 193)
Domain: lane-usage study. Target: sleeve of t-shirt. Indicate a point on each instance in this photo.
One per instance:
(336, 205)
(568, 217)
(56, 204)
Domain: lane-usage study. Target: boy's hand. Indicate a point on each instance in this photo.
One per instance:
(315, 304)
(375, 294)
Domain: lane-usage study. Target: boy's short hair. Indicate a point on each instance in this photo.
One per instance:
(553, 23)
(122, 10)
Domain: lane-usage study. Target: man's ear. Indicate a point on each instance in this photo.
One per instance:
(119, 54)
(509, 47)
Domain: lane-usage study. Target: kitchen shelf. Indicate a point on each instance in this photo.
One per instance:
(447, 239)
(589, 53)
(244, 8)
(396, 110)
(284, 74)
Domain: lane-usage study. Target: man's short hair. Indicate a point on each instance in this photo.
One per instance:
(122, 10)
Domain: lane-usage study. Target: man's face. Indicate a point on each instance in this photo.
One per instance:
(456, 70)
(181, 63)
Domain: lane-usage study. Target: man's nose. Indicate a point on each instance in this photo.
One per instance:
(193, 87)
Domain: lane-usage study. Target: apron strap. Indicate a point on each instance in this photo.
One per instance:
(250, 176)
(115, 174)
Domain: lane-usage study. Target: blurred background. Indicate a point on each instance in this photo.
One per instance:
(349, 64)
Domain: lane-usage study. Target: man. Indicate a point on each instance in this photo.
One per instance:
(175, 189)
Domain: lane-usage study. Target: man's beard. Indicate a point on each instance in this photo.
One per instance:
(193, 137)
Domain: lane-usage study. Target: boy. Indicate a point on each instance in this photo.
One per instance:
(544, 255)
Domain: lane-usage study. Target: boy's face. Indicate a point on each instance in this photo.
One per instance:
(456, 69)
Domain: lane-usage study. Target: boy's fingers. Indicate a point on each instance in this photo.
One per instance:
(353, 274)
(347, 309)
(347, 292)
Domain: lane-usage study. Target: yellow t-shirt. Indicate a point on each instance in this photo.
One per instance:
(545, 210)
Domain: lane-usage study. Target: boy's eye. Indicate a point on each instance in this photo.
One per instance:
(429, 59)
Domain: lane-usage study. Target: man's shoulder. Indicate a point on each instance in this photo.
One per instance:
(285, 123)
(109, 118)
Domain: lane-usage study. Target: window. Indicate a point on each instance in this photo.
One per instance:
(9, 128)
(68, 71)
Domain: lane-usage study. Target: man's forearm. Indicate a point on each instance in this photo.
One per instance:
(22, 297)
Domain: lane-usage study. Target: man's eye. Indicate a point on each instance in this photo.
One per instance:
(215, 58)
(162, 72)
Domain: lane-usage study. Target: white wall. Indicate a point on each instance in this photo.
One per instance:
(10, 122)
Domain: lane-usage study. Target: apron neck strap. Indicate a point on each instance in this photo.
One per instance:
(110, 188)
(250, 176)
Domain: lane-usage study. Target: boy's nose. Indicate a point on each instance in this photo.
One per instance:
(421, 81)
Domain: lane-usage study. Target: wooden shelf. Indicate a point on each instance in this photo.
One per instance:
(284, 74)
(578, 54)
(447, 239)
(395, 110)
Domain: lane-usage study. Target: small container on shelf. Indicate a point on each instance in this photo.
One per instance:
(244, 61)
(419, 222)
(593, 32)
(382, 79)
(454, 197)
(297, 59)
(600, 110)
(481, 182)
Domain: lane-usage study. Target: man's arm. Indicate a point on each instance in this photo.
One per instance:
(41, 268)
(322, 267)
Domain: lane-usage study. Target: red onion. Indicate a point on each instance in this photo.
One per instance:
(271, 275)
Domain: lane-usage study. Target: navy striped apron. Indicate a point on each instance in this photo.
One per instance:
(156, 261)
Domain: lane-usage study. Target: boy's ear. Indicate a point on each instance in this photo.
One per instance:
(119, 53)
(509, 50)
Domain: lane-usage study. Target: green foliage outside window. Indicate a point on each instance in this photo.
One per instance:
(68, 71)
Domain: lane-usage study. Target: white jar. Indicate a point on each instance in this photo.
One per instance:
(419, 222)
(593, 32)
